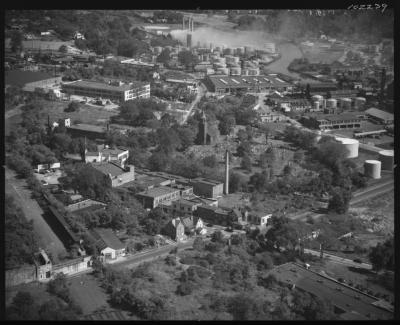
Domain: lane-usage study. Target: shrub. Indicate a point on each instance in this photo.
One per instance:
(185, 288)
(188, 260)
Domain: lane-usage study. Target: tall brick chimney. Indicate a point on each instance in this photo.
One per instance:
(226, 185)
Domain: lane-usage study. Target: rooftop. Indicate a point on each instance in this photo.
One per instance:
(108, 168)
(145, 181)
(342, 296)
(103, 86)
(106, 238)
(206, 181)
(335, 117)
(88, 127)
(379, 114)
(246, 81)
(21, 78)
(158, 191)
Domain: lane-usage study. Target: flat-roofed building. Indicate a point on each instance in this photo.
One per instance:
(227, 84)
(119, 93)
(332, 121)
(87, 130)
(115, 174)
(207, 187)
(153, 197)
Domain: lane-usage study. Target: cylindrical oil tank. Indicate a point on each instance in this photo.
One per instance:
(317, 98)
(236, 71)
(223, 71)
(316, 105)
(372, 169)
(331, 103)
(254, 71)
(248, 49)
(240, 50)
(386, 157)
(359, 102)
(346, 103)
(351, 145)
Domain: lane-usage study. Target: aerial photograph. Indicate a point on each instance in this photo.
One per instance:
(199, 164)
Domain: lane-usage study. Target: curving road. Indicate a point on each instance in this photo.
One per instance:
(201, 90)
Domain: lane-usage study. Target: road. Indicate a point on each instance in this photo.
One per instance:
(133, 260)
(18, 189)
(339, 260)
(14, 111)
(201, 90)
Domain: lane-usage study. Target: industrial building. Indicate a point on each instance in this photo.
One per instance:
(207, 187)
(87, 130)
(153, 197)
(331, 121)
(379, 116)
(119, 93)
(261, 83)
(346, 300)
(114, 174)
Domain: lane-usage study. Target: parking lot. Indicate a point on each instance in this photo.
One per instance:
(50, 178)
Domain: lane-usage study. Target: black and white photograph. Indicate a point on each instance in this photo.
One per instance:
(200, 164)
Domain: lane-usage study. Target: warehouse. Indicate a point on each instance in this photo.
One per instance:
(153, 197)
(119, 93)
(379, 116)
(331, 121)
(226, 84)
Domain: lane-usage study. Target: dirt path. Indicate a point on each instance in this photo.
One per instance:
(17, 188)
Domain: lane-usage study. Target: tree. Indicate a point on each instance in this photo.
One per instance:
(187, 59)
(340, 200)
(210, 161)
(72, 107)
(16, 41)
(236, 182)
(217, 237)
(259, 181)
(164, 56)
(246, 163)
(23, 307)
(382, 255)
(63, 49)
(226, 125)
(311, 307)
(159, 161)
(198, 244)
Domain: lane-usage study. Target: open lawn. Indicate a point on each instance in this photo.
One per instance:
(36, 289)
(86, 114)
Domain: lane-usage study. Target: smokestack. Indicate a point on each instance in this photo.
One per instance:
(226, 189)
(183, 23)
(383, 80)
(204, 129)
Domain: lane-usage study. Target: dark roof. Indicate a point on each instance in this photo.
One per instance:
(379, 114)
(106, 238)
(108, 168)
(188, 222)
(103, 86)
(158, 191)
(21, 78)
(88, 127)
(247, 81)
(206, 181)
(65, 225)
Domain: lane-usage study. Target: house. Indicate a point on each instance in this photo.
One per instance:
(175, 229)
(78, 35)
(184, 206)
(43, 265)
(108, 243)
(258, 219)
(216, 216)
(114, 174)
(191, 224)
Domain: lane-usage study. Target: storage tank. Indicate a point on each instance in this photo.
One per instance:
(248, 49)
(351, 145)
(223, 71)
(236, 59)
(210, 71)
(331, 103)
(359, 102)
(254, 71)
(245, 72)
(240, 50)
(317, 98)
(228, 51)
(316, 105)
(345, 103)
(158, 49)
(372, 169)
(386, 157)
(236, 71)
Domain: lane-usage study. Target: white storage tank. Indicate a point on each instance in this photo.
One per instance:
(386, 157)
(359, 102)
(317, 98)
(351, 145)
(346, 103)
(331, 103)
(372, 169)
(316, 105)
(236, 71)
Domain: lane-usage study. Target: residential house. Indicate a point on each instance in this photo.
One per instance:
(108, 243)
(175, 229)
(115, 174)
(192, 224)
(43, 266)
(258, 219)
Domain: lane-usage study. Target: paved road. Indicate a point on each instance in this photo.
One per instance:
(201, 90)
(339, 260)
(14, 111)
(17, 188)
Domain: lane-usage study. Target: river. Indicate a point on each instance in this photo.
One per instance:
(288, 52)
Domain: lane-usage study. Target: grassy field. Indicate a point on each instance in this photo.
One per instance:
(36, 289)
